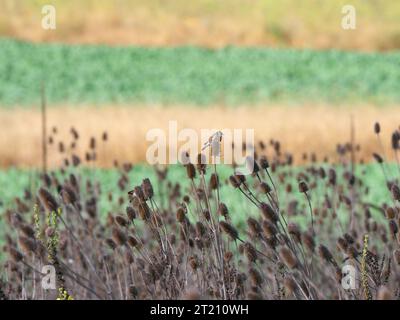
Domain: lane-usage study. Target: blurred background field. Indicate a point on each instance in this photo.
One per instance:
(211, 23)
(285, 68)
(194, 76)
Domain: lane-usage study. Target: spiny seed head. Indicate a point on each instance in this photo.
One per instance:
(377, 128)
(27, 244)
(201, 163)
(132, 241)
(110, 242)
(131, 213)
(268, 213)
(396, 140)
(180, 215)
(395, 192)
(250, 252)
(234, 182)
(27, 230)
(223, 210)
(390, 212)
(303, 188)
(325, 254)
(342, 244)
(47, 200)
(377, 158)
(264, 163)
(265, 188)
(294, 231)
(308, 241)
(119, 236)
(287, 257)
(121, 221)
(214, 181)
(190, 171)
(252, 165)
(15, 254)
(269, 229)
(147, 188)
(254, 226)
(255, 277)
(68, 195)
(229, 230)
(393, 227)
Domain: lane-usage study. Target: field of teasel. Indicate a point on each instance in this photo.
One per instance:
(168, 240)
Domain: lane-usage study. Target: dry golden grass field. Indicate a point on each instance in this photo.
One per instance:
(312, 128)
(214, 23)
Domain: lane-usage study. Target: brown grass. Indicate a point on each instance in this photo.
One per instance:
(210, 23)
(300, 129)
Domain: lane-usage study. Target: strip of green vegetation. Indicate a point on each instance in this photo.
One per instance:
(14, 182)
(103, 75)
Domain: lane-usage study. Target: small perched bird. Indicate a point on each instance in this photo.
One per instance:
(213, 141)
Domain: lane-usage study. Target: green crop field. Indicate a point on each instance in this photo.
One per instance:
(371, 175)
(190, 75)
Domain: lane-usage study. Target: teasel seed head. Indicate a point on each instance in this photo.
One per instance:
(303, 188)
(27, 230)
(308, 241)
(234, 182)
(377, 128)
(255, 277)
(180, 215)
(393, 228)
(252, 165)
(47, 200)
(395, 192)
(250, 252)
(15, 255)
(214, 181)
(201, 163)
(326, 255)
(377, 158)
(132, 241)
(268, 213)
(147, 188)
(396, 140)
(110, 242)
(190, 171)
(200, 229)
(390, 213)
(254, 227)
(288, 258)
(119, 236)
(131, 213)
(342, 244)
(229, 230)
(265, 188)
(28, 245)
(223, 210)
(294, 231)
(269, 229)
(68, 195)
(264, 163)
(121, 221)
